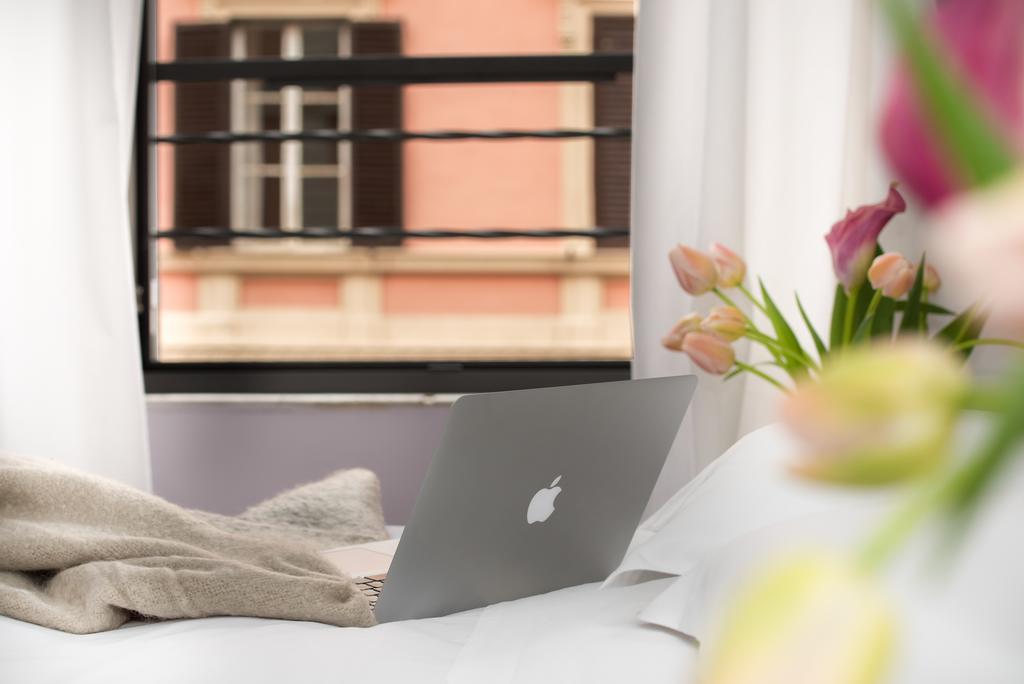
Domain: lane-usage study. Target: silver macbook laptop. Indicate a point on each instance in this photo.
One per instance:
(530, 491)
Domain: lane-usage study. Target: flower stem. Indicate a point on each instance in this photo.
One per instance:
(988, 341)
(761, 374)
(776, 346)
(851, 304)
(753, 300)
(876, 299)
(727, 300)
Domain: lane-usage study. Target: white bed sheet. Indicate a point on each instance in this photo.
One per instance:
(577, 634)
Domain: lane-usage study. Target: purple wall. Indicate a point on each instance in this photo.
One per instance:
(223, 457)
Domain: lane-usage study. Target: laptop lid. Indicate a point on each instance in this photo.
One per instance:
(531, 491)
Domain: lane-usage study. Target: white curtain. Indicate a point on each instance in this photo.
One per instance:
(753, 127)
(70, 373)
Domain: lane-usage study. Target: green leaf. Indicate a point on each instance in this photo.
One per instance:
(933, 309)
(882, 324)
(912, 318)
(838, 314)
(732, 374)
(964, 328)
(861, 333)
(966, 130)
(818, 344)
(784, 334)
(865, 293)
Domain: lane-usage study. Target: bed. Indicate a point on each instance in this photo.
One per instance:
(644, 623)
(541, 638)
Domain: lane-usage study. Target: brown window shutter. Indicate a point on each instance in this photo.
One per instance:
(377, 164)
(202, 171)
(613, 106)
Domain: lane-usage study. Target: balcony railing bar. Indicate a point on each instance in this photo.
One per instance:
(216, 233)
(387, 134)
(394, 70)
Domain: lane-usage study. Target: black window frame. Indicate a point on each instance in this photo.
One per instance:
(318, 377)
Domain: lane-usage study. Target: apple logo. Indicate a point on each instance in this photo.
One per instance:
(542, 505)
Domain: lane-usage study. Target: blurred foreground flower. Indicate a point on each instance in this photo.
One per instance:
(694, 269)
(852, 240)
(980, 237)
(815, 619)
(985, 39)
(877, 413)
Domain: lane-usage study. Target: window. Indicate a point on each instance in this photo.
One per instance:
(324, 205)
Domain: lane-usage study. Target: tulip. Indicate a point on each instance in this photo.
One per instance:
(877, 413)
(685, 325)
(852, 240)
(694, 269)
(726, 322)
(731, 267)
(979, 239)
(892, 274)
(985, 40)
(710, 352)
(811, 619)
(931, 280)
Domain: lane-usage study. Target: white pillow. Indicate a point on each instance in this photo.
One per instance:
(745, 489)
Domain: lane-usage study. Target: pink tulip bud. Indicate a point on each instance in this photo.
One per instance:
(684, 326)
(731, 268)
(892, 274)
(932, 281)
(694, 269)
(710, 352)
(727, 322)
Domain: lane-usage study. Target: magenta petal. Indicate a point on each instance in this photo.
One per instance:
(852, 240)
(985, 39)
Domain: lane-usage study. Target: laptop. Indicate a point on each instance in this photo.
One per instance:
(530, 491)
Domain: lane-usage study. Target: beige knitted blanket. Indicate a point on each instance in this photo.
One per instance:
(84, 554)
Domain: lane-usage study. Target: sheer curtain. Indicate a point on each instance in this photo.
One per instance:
(753, 126)
(70, 373)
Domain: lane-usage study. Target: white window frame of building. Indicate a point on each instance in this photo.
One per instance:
(248, 169)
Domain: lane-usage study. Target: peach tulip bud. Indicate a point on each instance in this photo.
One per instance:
(811, 619)
(685, 325)
(710, 352)
(731, 268)
(892, 274)
(931, 281)
(725, 321)
(877, 413)
(694, 269)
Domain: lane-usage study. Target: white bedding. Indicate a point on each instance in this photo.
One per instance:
(577, 634)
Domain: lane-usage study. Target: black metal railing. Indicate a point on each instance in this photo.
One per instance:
(393, 71)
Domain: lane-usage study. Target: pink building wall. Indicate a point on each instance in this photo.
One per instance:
(447, 184)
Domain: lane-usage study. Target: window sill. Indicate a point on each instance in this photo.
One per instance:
(352, 400)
